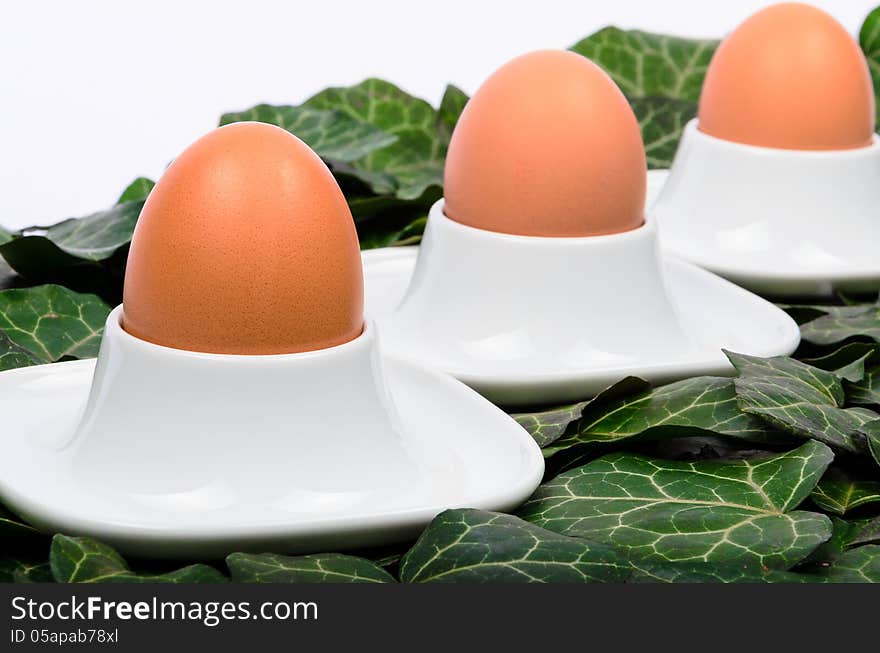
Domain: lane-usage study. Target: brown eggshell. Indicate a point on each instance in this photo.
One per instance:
(245, 246)
(548, 146)
(789, 77)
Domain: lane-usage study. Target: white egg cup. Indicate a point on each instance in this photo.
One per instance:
(531, 320)
(164, 452)
(781, 222)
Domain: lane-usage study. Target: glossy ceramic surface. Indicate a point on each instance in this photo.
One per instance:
(527, 320)
(181, 454)
(780, 222)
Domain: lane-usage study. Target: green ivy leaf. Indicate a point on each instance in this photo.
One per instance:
(84, 560)
(412, 164)
(13, 356)
(450, 109)
(139, 189)
(78, 247)
(321, 568)
(800, 399)
(864, 531)
(872, 434)
(865, 391)
(842, 322)
(10, 525)
(411, 234)
(690, 407)
(702, 511)
(385, 233)
(858, 364)
(869, 39)
(332, 135)
(840, 491)
(51, 322)
(826, 553)
(849, 362)
(859, 565)
(93, 238)
(650, 65)
(547, 426)
(477, 546)
(21, 571)
(845, 536)
(662, 121)
(648, 572)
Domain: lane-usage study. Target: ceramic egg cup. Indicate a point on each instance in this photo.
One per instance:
(780, 222)
(534, 320)
(169, 453)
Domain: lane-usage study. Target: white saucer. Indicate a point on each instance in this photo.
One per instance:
(469, 452)
(715, 313)
(779, 222)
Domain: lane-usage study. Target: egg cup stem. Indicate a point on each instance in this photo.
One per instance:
(595, 301)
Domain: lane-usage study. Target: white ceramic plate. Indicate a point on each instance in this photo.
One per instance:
(723, 315)
(473, 455)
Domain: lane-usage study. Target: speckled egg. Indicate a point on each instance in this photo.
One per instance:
(245, 246)
(548, 146)
(789, 77)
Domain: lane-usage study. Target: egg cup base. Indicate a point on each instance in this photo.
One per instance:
(328, 450)
(587, 312)
(784, 223)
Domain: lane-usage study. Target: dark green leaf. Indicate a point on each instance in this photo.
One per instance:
(650, 65)
(389, 559)
(864, 531)
(848, 362)
(10, 525)
(872, 434)
(840, 491)
(83, 560)
(547, 426)
(93, 238)
(692, 406)
(822, 556)
(320, 568)
(484, 547)
(20, 571)
(410, 165)
(802, 313)
(662, 121)
(363, 209)
(691, 511)
(13, 356)
(332, 135)
(869, 39)
(139, 189)
(75, 247)
(51, 322)
(842, 322)
(859, 565)
(450, 109)
(866, 391)
(385, 233)
(701, 572)
(411, 234)
(800, 399)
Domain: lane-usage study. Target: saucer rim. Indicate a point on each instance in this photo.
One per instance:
(176, 540)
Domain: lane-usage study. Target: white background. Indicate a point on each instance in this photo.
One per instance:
(94, 93)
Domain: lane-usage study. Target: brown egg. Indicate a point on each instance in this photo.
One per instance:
(548, 146)
(245, 246)
(789, 77)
